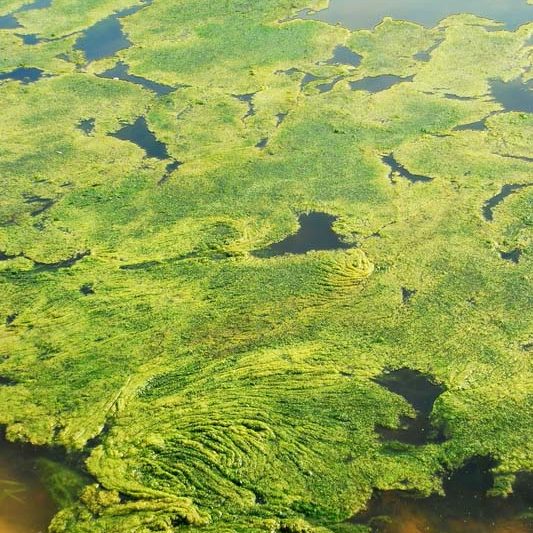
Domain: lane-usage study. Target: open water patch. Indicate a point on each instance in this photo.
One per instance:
(248, 99)
(342, 55)
(24, 75)
(9, 22)
(421, 392)
(106, 37)
(465, 507)
(514, 95)
(86, 125)
(512, 255)
(398, 169)
(376, 84)
(356, 14)
(139, 134)
(37, 4)
(497, 199)
(315, 233)
(121, 72)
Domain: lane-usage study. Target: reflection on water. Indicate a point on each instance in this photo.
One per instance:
(25, 505)
(466, 508)
(366, 14)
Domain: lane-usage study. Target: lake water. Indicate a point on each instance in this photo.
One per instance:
(355, 14)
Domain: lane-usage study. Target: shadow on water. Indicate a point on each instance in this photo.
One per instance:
(315, 233)
(515, 95)
(22, 74)
(376, 84)
(398, 169)
(121, 72)
(506, 190)
(106, 37)
(355, 14)
(421, 393)
(465, 508)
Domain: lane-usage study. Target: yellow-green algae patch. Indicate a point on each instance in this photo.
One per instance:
(210, 387)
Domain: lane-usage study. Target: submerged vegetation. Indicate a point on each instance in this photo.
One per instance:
(209, 384)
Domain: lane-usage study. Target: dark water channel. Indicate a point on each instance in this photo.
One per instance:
(506, 191)
(356, 14)
(421, 393)
(315, 233)
(397, 168)
(465, 508)
(121, 72)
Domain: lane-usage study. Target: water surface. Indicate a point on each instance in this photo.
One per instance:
(515, 95)
(421, 392)
(121, 72)
(25, 505)
(315, 233)
(466, 508)
(376, 84)
(106, 37)
(139, 134)
(505, 191)
(356, 14)
(22, 74)
(397, 168)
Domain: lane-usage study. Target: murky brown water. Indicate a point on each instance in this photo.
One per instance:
(25, 505)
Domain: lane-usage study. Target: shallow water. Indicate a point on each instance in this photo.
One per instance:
(421, 393)
(355, 14)
(315, 233)
(465, 509)
(25, 505)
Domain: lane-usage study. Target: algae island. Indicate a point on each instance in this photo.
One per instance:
(265, 266)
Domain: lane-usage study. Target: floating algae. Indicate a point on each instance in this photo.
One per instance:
(210, 380)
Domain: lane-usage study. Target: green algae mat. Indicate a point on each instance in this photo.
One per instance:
(148, 327)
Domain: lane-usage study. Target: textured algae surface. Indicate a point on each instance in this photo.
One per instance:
(212, 388)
